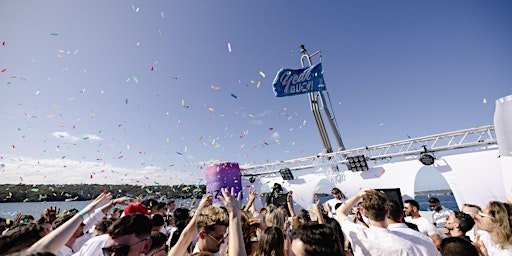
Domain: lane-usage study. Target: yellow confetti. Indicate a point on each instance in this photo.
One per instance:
(258, 85)
(128, 146)
(183, 102)
(211, 109)
(485, 100)
(262, 74)
(215, 87)
(55, 106)
(167, 140)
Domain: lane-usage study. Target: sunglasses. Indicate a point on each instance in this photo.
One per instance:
(218, 240)
(121, 250)
(485, 215)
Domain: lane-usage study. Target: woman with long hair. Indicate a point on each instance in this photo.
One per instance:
(271, 242)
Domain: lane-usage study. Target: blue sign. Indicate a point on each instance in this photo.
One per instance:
(289, 82)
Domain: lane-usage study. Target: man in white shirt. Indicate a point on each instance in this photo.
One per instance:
(395, 225)
(377, 239)
(330, 205)
(412, 211)
(439, 213)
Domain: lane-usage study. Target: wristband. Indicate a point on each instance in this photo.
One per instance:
(83, 214)
(197, 213)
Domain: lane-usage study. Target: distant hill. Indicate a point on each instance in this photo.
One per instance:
(82, 192)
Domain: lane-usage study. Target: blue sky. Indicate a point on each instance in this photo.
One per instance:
(149, 92)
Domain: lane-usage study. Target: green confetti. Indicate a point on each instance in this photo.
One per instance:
(54, 34)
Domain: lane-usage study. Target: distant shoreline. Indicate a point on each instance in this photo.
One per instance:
(11, 193)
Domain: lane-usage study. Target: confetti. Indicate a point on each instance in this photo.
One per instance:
(229, 47)
(162, 13)
(54, 34)
(258, 85)
(234, 96)
(126, 101)
(485, 100)
(135, 79)
(3, 43)
(381, 124)
(3, 70)
(262, 74)
(211, 109)
(215, 87)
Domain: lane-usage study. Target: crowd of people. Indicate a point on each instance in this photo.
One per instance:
(366, 224)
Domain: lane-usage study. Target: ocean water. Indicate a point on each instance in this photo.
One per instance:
(9, 210)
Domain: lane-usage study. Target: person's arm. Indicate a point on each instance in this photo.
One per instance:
(437, 240)
(289, 202)
(58, 237)
(316, 210)
(236, 244)
(252, 198)
(342, 211)
(190, 231)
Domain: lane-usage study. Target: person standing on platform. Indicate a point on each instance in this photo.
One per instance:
(330, 205)
(439, 213)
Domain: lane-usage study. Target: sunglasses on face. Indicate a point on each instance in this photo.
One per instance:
(121, 250)
(219, 240)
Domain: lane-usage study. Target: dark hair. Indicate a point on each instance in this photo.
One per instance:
(454, 246)
(157, 220)
(149, 203)
(63, 218)
(170, 201)
(336, 227)
(465, 220)
(103, 225)
(318, 239)
(271, 242)
(433, 200)
(157, 240)
(20, 238)
(137, 224)
(395, 213)
(412, 203)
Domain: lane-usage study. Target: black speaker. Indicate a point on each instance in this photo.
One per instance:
(280, 200)
(393, 194)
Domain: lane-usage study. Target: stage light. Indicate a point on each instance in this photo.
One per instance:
(286, 173)
(426, 158)
(252, 179)
(357, 163)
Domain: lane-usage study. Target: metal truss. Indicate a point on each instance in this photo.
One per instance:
(480, 136)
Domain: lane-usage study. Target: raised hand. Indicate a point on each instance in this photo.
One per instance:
(231, 203)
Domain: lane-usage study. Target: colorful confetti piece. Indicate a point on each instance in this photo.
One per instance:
(262, 74)
(229, 47)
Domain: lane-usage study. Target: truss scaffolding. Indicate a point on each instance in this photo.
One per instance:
(474, 137)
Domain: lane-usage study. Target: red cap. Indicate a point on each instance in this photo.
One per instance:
(134, 208)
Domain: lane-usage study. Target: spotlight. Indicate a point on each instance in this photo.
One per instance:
(426, 158)
(252, 179)
(357, 163)
(286, 173)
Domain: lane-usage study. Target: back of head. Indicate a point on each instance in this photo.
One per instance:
(157, 220)
(274, 217)
(211, 216)
(20, 238)
(375, 203)
(137, 224)
(318, 239)
(62, 219)
(335, 226)
(502, 213)
(271, 242)
(395, 211)
(455, 246)
(157, 240)
(103, 225)
(465, 220)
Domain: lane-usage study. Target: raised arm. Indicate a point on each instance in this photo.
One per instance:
(190, 231)
(58, 237)
(236, 239)
(289, 202)
(342, 211)
(252, 198)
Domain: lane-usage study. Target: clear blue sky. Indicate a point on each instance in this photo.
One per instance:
(142, 91)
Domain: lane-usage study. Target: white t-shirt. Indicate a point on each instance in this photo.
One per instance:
(332, 205)
(93, 246)
(424, 244)
(424, 225)
(376, 241)
(440, 217)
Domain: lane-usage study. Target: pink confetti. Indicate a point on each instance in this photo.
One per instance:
(3, 70)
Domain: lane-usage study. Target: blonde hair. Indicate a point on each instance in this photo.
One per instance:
(211, 216)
